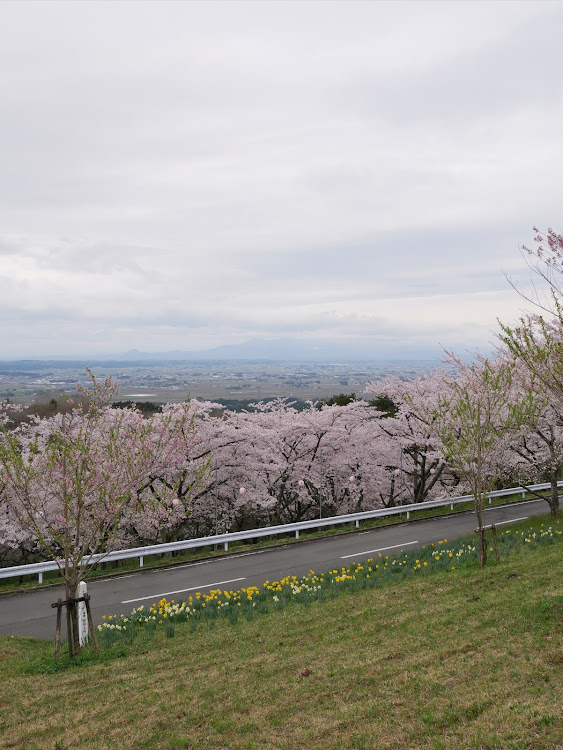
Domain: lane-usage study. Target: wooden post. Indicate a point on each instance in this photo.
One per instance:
(72, 626)
(482, 546)
(74, 618)
(495, 544)
(69, 630)
(91, 623)
(59, 606)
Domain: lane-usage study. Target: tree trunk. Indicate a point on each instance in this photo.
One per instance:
(75, 633)
(72, 620)
(478, 497)
(495, 542)
(554, 497)
(58, 631)
(482, 548)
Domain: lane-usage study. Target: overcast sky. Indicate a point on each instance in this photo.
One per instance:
(181, 175)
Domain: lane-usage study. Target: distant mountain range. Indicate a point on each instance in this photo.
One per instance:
(288, 350)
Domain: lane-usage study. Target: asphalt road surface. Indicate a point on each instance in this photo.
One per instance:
(30, 614)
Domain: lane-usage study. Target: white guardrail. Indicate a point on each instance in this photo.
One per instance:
(236, 536)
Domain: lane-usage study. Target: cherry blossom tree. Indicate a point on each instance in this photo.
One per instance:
(537, 345)
(283, 448)
(294, 465)
(472, 419)
(68, 480)
(99, 478)
(414, 462)
(538, 455)
(545, 260)
(536, 341)
(172, 494)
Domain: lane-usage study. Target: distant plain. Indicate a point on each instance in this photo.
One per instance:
(33, 380)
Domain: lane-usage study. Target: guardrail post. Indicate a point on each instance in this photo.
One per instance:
(297, 533)
(451, 506)
(408, 515)
(41, 577)
(523, 495)
(357, 524)
(226, 545)
(490, 499)
(140, 561)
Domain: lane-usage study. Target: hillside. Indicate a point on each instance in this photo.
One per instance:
(454, 659)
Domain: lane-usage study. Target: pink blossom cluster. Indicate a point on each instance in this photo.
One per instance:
(549, 247)
(100, 478)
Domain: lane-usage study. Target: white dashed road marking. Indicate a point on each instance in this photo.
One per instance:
(381, 549)
(157, 597)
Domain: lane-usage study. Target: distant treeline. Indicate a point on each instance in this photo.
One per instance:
(381, 403)
(45, 408)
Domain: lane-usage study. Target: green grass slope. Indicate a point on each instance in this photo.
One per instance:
(450, 659)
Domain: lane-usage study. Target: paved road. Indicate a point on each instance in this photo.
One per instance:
(30, 614)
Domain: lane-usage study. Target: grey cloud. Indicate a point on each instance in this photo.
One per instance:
(497, 69)
(162, 318)
(403, 262)
(207, 170)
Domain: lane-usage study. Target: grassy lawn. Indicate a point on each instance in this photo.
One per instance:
(451, 659)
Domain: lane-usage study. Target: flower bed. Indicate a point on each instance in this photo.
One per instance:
(275, 595)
